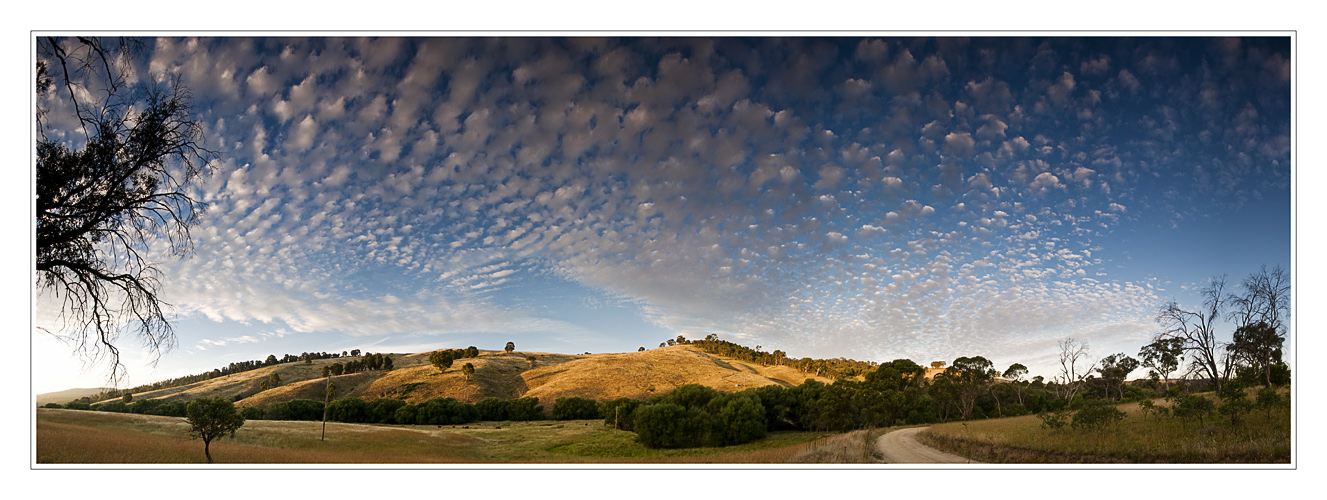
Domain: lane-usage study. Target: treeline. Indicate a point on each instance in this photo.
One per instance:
(232, 368)
(834, 368)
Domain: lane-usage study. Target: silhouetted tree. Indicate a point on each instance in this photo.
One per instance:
(511, 346)
(111, 184)
(469, 370)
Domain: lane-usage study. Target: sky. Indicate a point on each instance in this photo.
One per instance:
(872, 198)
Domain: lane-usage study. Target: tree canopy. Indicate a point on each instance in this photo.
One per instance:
(211, 418)
(115, 160)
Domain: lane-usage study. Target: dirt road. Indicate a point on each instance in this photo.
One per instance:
(902, 447)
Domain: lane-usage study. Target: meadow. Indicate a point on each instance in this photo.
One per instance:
(84, 437)
(1140, 438)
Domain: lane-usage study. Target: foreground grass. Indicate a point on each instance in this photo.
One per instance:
(85, 437)
(856, 447)
(1140, 438)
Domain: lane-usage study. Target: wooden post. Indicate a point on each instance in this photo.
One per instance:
(326, 399)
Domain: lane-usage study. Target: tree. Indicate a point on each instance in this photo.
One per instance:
(1257, 346)
(641, 349)
(1163, 356)
(530, 360)
(575, 408)
(1070, 379)
(973, 376)
(441, 359)
(469, 371)
(1114, 370)
(1015, 374)
(472, 352)
(1196, 329)
(511, 346)
(211, 418)
(115, 159)
(127, 398)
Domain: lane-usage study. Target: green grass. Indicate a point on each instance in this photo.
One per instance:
(1139, 438)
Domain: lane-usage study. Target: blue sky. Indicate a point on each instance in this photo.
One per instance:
(868, 197)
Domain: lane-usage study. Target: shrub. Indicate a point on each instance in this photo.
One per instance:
(689, 396)
(1053, 420)
(669, 425)
(1096, 414)
(383, 410)
(575, 408)
(492, 409)
(53, 405)
(1234, 401)
(405, 414)
(350, 410)
(735, 419)
(525, 409)
(1193, 406)
(295, 409)
(618, 412)
(78, 405)
(445, 411)
(252, 413)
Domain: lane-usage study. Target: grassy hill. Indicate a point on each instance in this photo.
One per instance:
(499, 374)
(66, 396)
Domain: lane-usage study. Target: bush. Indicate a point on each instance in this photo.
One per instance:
(492, 409)
(669, 425)
(735, 419)
(689, 396)
(618, 412)
(53, 405)
(295, 409)
(113, 406)
(383, 410)
(445, 411)
(1096, 414)
(252, 413)
(575, 408)
(525, 409)
(1053, 420)
(1193, 406)
(350, 410)
(405, 414)
(78, 405)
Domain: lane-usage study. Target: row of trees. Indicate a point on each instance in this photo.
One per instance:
(382, 361)
(835, 368)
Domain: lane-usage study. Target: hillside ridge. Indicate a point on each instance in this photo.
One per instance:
(498, 374)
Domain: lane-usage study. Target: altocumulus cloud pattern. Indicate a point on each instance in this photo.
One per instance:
(867, 197)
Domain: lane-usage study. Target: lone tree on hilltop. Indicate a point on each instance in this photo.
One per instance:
(211, 418)
(116, 155)
(511, 346)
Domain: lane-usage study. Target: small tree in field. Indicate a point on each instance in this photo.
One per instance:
(511, 346)
(211, 418)
(469, 370)
(530, 359)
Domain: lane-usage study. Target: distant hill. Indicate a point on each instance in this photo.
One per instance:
(497, 374)
(66, 396)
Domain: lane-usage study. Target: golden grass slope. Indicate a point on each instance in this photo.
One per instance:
(502, 375)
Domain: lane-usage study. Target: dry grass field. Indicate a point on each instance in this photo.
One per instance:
(499, 374)
(84, 437)
(1139, 438)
